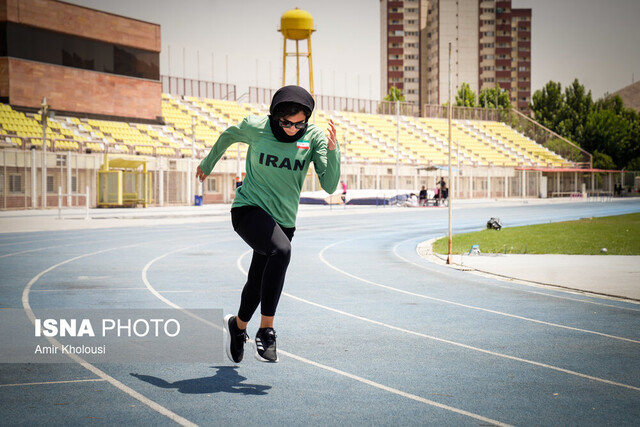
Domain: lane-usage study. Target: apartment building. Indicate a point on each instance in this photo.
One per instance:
(491, 44)
(402, 27)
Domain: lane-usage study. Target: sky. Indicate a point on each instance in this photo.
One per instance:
(237, 42)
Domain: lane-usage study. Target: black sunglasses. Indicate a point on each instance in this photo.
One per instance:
(287, 124)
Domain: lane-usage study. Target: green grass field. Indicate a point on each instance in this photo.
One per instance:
(619, 234)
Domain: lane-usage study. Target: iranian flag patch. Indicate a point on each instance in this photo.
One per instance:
(303, 144)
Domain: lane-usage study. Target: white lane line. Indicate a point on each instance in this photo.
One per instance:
(373, 383)
(200, 291)
(32, 250)
(457, 344)
(167, 301)
(75, 237)
(88, 366)
(468, 347)
(24, 242)
(394, 390)
(93, 380)
(87, 289)
(559, 289)
(102, 240)
(500, 313)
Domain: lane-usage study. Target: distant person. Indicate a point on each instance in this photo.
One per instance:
(344, 191)
(423, 196)
(445, 195)
(282, 145)
(441, 186)
(411, 202)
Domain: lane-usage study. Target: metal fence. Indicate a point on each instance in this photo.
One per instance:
(172, 180)
(338, 103)
(180, 86)
(22, 179)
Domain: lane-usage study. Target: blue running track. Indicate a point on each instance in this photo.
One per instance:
(369, 333)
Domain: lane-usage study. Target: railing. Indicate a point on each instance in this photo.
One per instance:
(339, 103)
(600, 196)
(204, 89)
(86, 201)
(521, 123)
(550, 140)
(259, 95)
(53, 145)
(464, 113)
(180, 86)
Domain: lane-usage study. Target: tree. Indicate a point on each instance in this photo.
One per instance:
(548, 106)
(634, 139)
(613, 130)
(395, 94)
(607, 133)
(613, 103)
(488, 97)
(634, 165)
(602, 161)
(564, 113)
(631, 148)
(578, 104)
(465, 97)
(604, 126)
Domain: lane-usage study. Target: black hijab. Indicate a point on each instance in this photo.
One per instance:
(289, 94)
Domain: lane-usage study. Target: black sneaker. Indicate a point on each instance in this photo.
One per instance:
(235, 339)
(266, 345)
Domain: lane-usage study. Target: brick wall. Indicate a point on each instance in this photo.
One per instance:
(71, 89)
(84, 22)
(4, 77)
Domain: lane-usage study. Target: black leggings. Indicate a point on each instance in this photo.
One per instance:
(271, 244)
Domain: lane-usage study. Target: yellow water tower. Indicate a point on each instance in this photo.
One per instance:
(297, 25)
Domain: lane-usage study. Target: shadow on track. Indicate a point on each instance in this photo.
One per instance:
(226, 380)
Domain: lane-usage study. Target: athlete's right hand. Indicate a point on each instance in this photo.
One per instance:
(200, 175)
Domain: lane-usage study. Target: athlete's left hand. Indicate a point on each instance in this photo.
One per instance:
(331, 137)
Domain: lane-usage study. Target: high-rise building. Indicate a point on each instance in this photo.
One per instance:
(520, 56)
(490, 45)
(402, 26)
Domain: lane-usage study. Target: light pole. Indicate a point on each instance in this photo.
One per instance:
(44, 113)
(193, 149)
(346, 175)
(397, 149)
(449, 256)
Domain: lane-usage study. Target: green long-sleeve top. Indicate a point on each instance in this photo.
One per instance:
(276, 170)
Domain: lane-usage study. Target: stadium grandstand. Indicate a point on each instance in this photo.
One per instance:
(175, 121)
(490, 157)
